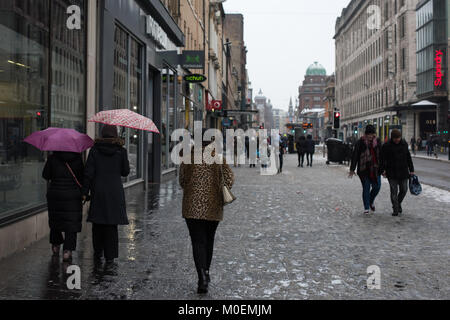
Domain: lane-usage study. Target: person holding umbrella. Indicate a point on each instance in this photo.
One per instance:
(64, 171)
(106, 165)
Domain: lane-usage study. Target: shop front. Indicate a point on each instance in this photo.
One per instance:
(134, 76)
(42, 84)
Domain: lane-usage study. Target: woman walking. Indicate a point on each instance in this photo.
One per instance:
(106, 165)
(367, 156)
(64, 171)
(310, 150)
(301, 150)
(203, 209)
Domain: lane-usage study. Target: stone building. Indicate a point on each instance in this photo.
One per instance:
(376, 65)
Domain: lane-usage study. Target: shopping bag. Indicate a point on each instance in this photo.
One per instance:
(414, 185)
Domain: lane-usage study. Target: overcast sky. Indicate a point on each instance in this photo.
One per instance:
(283, 38)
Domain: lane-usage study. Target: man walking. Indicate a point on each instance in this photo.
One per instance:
(397, 166)
(310, 150)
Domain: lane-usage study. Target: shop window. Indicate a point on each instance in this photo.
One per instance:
(127, 93)
(29, 102)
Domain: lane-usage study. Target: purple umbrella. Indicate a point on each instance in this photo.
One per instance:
(58, 139)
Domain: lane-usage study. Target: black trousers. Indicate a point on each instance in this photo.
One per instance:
(202, 234)
(301, 158)
(397, 196)
(309, 158)
(281, 162)
(69, 240)
(105, 239)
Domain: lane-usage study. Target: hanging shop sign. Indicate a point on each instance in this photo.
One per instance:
(439, 73)
(157, 33)
(195, 78)
(193, 59)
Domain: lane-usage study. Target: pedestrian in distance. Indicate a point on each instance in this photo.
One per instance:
(367, 157)
(413, 145)
(301, 150)
(106, 165)
(64, 171)
(429, 146)
(202, 208)
(310, 150)
(282, 151)
(397, 166)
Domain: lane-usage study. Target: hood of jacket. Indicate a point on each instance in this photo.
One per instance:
(109, 146)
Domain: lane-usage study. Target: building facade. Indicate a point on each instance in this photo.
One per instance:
(375, 66)
(59, 69)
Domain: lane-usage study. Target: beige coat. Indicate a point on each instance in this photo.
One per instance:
(202, 186)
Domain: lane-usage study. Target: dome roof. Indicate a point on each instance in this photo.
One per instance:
(316, 69)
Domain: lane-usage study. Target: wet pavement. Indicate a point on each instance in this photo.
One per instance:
(298, 235)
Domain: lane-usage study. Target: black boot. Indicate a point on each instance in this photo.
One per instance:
(208, 278)
(202, 282)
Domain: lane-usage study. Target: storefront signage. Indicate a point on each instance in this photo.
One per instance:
(195, 78)
(155, 31)
(193, 59)
(439, 74)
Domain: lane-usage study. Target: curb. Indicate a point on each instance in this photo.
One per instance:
(434, 159)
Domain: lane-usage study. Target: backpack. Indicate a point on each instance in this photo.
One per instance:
(414, 185)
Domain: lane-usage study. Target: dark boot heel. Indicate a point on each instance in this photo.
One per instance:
(208, 278)
(202, 282)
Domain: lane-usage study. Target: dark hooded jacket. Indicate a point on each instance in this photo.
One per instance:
(396, 160)
(106, 165)
(63, 194)
(301, 145)
(310, 145)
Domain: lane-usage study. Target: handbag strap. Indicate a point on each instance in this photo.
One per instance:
(73, 175)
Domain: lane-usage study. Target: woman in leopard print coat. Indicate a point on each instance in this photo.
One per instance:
(203, 209)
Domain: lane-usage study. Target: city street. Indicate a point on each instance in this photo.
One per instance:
(432, 172)
(298, 235)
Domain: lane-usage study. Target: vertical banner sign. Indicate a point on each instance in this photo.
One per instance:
(439, 74)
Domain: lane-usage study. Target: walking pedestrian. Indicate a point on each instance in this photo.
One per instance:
(429, 146)
(282, 151)
(413, 145)
(301, 150)
(397, 166)
(64, 171)
(106, 165)
(419, 144)
(202, 208)
(367, 157)
(310, 150)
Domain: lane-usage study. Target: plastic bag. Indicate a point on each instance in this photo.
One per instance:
(414, 185)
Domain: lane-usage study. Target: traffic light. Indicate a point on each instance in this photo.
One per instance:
(337, 120)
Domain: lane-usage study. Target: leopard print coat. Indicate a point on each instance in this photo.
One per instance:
(202, 190)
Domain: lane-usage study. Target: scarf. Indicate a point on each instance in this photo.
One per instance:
(369, 158)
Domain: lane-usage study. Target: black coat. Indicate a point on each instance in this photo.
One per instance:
(106, 165)
(301, 146)
(396, 160)
(310, 146)
(63, 194)
(361, 147)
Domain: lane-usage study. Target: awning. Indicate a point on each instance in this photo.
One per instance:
(418, 106)
(425, 103)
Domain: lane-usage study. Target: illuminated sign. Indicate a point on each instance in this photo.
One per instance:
(439, 74)
(195, 78)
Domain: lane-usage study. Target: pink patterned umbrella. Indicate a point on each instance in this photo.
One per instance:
(125, 118)
(59, 139)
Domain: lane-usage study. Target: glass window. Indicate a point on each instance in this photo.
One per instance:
(127, 92)
(24, 107)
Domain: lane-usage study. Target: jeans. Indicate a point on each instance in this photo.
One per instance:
(69, 239)
(370, 191)
(202, 234)
(396, 196)
(105, 239)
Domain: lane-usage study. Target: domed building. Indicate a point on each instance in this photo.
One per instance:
(312, 97)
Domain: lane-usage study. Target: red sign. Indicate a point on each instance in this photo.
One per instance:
(216, 105)
(439, 74)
